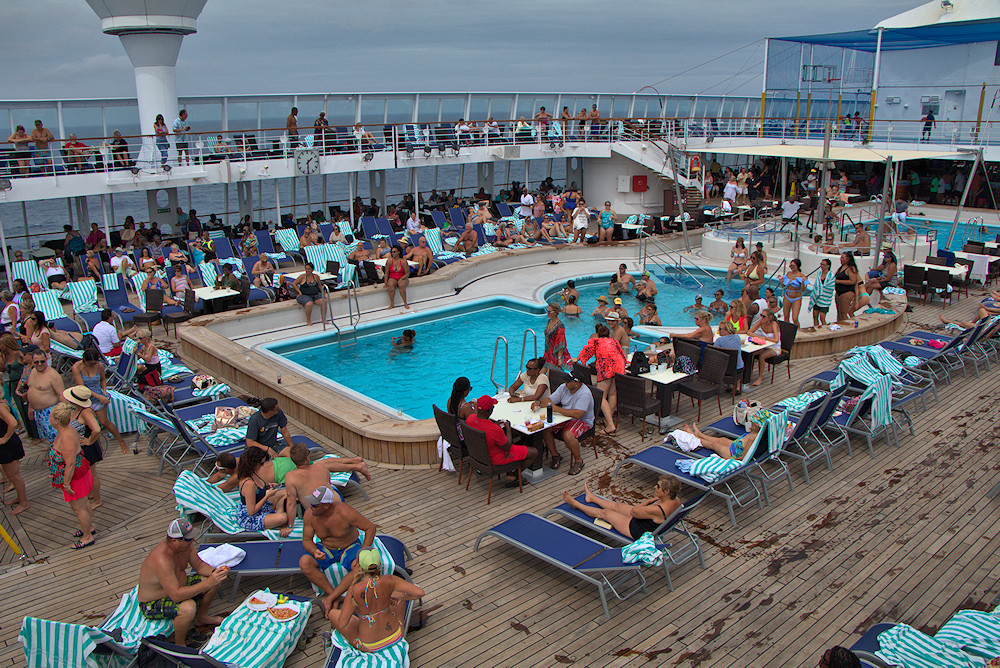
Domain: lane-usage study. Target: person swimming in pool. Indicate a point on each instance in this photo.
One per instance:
(697, 306)
(406, 341)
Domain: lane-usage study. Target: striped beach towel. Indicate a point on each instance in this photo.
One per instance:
(904, 645)
(29, 272)
(256, 639)
(395, 655)
(47, 644)
(287, 238)
(822, 291)
(122, 410)
(57, 347)
(642, 550)
(880, 385)
(714, 467)
(335, 572)
(194, 495)
(798, 404)
(47, 301)
(433, 237)
(84, 296)
(217, 390)
(974, 632)
(133, 624)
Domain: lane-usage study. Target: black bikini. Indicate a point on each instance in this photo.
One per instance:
(840, 287)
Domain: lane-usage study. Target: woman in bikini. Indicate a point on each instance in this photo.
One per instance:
(727, 448)
(607, 224)
(154, 282)
(755, 271)
(794, 283)
(739, 256)
(371, 618)
(632, 521)
(262, 504)
(846, 285)
(397, 277)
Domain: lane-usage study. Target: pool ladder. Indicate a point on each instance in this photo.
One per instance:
(353, 314)
(506, 358)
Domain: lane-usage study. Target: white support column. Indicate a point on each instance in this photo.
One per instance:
(875, 72)
(277, 203)
(352, 186)
(107, 227)
(6, 256)
(225, 208)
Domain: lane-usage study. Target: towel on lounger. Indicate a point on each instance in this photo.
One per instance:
(642, 550)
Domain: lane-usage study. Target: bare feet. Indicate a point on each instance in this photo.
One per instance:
(94, 505)
(757, 383)
(567, 497)
(284, 532)
(208, 620)
(20, 508)
(589, 496)
(364, 470)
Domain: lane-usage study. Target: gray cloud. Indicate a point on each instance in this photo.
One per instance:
(260, 46)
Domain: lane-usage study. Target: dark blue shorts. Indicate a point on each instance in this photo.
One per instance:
(344, 556)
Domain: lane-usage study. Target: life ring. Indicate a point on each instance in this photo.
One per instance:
(695, 164)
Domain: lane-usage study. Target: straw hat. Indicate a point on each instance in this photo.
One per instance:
(78, 395)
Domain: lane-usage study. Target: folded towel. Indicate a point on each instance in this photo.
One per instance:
(643, 550)
(685, 441)
(222, 555)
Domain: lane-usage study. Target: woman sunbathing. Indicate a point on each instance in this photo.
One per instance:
(728, 448)
(371, 618)
(633, 520)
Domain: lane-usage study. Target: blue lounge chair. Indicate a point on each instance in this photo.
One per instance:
(84, 297)
(580, 556)
(369, 227)
(116, 299)
(504, 210)
(800, 444)
(457, 217)
(673, 554)
(266, 246)
(289, 241)
(441, 222)
(47, 301)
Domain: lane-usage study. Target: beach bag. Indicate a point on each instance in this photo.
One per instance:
(743, 411)
(639, 363)
(202, 381)
(685, 365)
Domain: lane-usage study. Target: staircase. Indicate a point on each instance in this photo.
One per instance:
(652, 154)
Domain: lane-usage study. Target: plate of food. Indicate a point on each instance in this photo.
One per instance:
(260, 601)
(283, 613)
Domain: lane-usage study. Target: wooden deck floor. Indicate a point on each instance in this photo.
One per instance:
(904, 536)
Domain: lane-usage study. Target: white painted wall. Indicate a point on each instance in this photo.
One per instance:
(601, 185)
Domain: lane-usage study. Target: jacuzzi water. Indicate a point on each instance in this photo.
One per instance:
(459, 341)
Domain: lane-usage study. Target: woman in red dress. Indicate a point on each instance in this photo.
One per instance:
(609, 358)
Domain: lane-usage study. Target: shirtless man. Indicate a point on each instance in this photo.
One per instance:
(595, 119)
(617, 331)
(423, 256)
(45, 388)
(862, 242)
(468, 242)
(41, 138)
(338, 527)
(167, 592)
(277, 470)
(625, 280)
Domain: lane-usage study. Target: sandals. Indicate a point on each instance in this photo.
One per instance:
(576, 468)
(79, 534)
(556, 462)
(79, 546)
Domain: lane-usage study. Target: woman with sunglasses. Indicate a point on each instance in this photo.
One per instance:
(632, 520)
(533, 379)
(397, 276)
(606, 224)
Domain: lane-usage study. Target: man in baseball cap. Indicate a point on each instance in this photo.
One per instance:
(575, 401)
(331, 534)
(166, 592)
(501, 446)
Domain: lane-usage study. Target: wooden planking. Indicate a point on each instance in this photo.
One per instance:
(905, 536)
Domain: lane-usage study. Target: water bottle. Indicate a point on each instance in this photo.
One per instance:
(548, 413)
(855, 324)
(279, 378)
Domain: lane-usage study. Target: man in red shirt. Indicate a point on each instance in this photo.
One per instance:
(77, 153)
(502, 450)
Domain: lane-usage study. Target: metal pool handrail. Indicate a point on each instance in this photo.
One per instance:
(524, 346)
(506, 363)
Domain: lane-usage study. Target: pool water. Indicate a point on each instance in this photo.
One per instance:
(459, 341)
(943, 227)
(671, 298)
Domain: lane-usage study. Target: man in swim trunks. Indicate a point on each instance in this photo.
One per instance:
(338, 527)
(45, 388)
(167, 592)
(468, 242)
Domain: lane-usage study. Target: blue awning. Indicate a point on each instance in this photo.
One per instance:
(900, 39)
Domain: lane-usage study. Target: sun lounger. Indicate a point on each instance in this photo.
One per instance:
(84, 297)
(673, 554)
(590, 560)
(807, 443)
(47, 301)
(245, 638)
(729, 472)
(273, 558)
(47, 644)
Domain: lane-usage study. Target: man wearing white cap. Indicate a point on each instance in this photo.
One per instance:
(618, 332)
(167, 592)
(338, 527)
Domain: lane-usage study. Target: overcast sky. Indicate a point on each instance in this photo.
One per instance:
(55, 49)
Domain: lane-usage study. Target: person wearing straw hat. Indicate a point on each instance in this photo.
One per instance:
(371, 618)
(85, 422)
(602, 307)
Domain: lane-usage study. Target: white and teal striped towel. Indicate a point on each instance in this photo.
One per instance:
(277, 257)
(170, 366)
(903, 645)
(193, 494)
(335, 572)
(913, 360)
(799, 403)
(64, 350)
(122, 410)
(256, 639)
(133, 624)
(47, 644)
(395, 655)
(894, 291)
(216, 390)
(486, 249)
(711, 468)
(643, 550)
(974, 632)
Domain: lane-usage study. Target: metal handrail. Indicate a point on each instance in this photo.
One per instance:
(776, 270)
(670, 253)
(524, 345)
(506, 365)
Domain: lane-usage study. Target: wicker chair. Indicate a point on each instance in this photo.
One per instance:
(633, 400)
(709, 381)
(479, 458)
(788, 332)
(448, 426)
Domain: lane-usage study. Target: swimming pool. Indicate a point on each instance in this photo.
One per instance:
(963, 232)
(459, 341)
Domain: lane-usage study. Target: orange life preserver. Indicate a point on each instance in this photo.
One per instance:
(695, 164)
